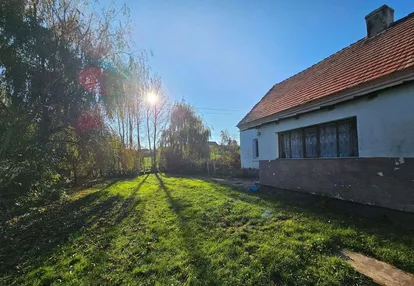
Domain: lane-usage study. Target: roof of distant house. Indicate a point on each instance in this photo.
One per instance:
(363, 62)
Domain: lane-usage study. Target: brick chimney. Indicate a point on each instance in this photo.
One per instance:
(379, 20)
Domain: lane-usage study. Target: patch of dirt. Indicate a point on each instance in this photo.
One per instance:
(233, 182)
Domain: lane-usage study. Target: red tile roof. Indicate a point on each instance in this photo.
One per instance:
(366, 60)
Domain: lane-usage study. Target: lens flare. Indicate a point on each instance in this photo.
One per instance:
(89, 78)
(88, 121)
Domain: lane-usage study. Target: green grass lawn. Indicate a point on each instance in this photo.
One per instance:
(172, 231)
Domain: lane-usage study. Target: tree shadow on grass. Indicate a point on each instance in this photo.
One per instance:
(25, 242)
(202, 266)
(325, 208)
(110, 185)
(341, 214)
(130, 202)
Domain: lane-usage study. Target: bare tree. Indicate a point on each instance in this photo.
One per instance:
(156, 115)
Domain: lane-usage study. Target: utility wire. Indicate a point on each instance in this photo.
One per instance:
(208, 108)
(216, 113)
(218, 109)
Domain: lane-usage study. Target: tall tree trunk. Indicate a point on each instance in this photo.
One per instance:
(126, 131)
(148, 133)
(154, 163)
(130, 130)
(140, 158)
(138, 136)
(119, 124)
(123, 132)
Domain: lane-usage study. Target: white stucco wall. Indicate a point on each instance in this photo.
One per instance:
(385, 126)
(246, 149)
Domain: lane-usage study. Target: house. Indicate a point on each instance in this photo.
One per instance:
(344, 127)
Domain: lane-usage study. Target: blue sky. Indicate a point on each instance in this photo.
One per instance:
(223, 56)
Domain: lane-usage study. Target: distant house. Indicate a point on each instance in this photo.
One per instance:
(212, 144)
(345, 126)
(233, 143)
(145, 152)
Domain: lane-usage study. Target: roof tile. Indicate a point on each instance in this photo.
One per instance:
(366, 60)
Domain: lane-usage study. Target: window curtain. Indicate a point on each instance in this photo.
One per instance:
(311, 143)
(344, 135)
(297, 144)
(328, 141)
(335, 139)
(286, 145)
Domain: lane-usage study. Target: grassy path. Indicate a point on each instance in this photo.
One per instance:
(171, 231)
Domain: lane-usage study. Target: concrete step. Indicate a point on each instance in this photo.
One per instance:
(381, 272)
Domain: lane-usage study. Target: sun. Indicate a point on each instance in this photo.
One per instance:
(152, 98)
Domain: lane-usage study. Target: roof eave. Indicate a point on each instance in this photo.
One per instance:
(391, 80)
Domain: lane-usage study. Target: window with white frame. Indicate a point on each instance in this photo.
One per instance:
(255, 148)
(333, 139)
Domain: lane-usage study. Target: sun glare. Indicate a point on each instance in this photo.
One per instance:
(152, 98)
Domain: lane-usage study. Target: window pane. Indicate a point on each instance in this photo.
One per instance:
(347, 139)
(286, 145)
(255, 148)
(311, 143)
(281, 146)
(328, 141)
(344, 135)
(297, 144)
(354, 139)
